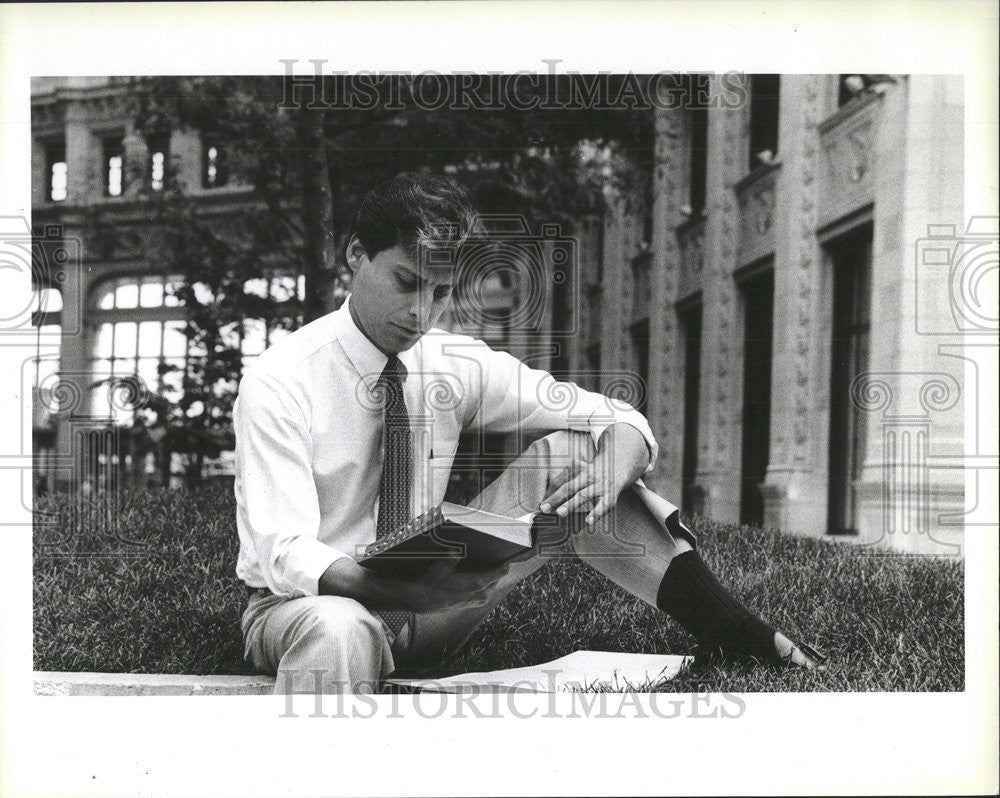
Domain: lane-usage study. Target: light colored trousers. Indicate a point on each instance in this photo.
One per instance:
(330, 644)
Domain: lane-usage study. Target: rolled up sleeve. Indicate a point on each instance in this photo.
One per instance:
(277, 505)
(512, 395)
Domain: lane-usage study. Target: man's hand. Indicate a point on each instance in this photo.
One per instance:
(440, 586)
(622, 457)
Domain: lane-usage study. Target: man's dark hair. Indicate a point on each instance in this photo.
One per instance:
(416, 211)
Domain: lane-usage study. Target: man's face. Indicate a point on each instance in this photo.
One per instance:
(397, 300)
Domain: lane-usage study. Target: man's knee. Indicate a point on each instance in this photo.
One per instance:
(331, 644)
(342, 625)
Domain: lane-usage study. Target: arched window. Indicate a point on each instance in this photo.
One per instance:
(140, 323)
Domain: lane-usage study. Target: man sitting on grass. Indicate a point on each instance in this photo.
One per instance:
(347, 429)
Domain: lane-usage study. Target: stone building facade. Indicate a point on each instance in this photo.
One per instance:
(803, 359)
(769, 304)
(104, 311)
(109, 313)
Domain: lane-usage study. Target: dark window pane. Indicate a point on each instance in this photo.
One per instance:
(850, 86)
(765, 96)
(849, 358)
(758, 304)
(698, 152)
(594, 366)
(691, 325)
(640, 350)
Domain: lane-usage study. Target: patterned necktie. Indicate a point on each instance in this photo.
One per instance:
(397, 465)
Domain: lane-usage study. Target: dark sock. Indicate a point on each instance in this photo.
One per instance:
(690, 594)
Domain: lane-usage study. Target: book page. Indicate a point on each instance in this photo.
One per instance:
(501, 526)
(606, 671)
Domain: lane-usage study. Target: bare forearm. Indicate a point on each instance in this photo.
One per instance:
(346, 578)
(439, 586)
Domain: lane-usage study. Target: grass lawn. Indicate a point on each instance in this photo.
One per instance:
(167, 600)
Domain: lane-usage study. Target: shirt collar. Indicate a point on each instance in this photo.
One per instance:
(368, 360)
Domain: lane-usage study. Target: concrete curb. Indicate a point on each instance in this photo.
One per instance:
(68, 683)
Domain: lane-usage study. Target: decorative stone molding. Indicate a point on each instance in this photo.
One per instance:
(755, 195)
(847, 142)
(727, 352)
(48, 118)
(669, 188)
(807, 267)
(691, 244)
(627, 247)
(668, 156)
(105, 108)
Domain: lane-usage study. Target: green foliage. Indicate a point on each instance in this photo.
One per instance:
(156, 592)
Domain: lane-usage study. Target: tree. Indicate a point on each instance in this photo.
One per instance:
(308, 168)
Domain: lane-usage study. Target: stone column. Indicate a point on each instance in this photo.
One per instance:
(136, 171)
(73, 390)
(185, 157)
(718, 415)
(666, 380)
(40, 178)
(795, 489)
(615, 303)
(82, 157)
(924, 260)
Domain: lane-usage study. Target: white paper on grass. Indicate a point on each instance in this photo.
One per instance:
(605, 671)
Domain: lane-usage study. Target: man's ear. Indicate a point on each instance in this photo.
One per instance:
(356, 254)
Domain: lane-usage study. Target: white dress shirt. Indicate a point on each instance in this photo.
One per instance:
(308, 426)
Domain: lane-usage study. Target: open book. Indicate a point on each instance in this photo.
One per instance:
(477, 538)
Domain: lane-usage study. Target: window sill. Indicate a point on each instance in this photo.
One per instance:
(220, 191)
(848, 109)
(692, 222)
(757, 173)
